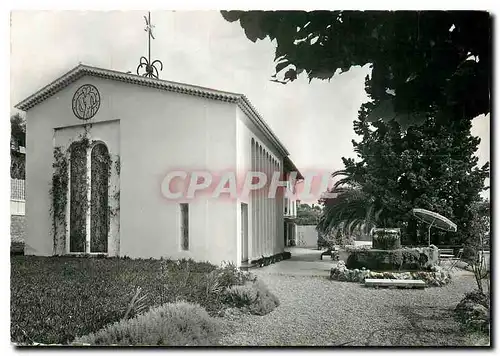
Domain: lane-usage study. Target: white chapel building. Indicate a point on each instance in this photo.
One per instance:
(99, 144)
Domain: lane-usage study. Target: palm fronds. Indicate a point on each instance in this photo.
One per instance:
(351, 210)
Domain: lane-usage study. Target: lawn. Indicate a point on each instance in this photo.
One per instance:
(55, 299)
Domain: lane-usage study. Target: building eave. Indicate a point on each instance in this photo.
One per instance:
(289, 166)
(84, 70)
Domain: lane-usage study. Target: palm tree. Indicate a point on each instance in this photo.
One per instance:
(351, 210)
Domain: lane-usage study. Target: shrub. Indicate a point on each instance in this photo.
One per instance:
(254, 297)
(470, 254)
(474, 311)
(54, 299)
(230, 275)
(242, 296)
(336, 237)
(411, 258)
(478, 298)
(396, 258)
(266, 301)
(266, 261)
(177, 324)
(323, 243)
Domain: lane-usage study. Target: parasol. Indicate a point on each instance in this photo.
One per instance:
(434, 220)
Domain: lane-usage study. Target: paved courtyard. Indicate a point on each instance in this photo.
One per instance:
(317, 311)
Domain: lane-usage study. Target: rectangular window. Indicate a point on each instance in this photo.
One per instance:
(185, 226)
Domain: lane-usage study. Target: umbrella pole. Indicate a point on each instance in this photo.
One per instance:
(430, 231)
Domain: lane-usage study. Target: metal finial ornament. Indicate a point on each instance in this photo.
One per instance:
(149, 67)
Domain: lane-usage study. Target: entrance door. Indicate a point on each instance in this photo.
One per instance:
(244, 232)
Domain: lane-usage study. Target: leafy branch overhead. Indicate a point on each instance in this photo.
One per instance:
(424, 63)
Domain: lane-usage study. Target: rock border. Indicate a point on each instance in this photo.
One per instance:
(437, 276)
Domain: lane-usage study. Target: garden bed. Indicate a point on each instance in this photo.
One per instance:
(55, 299)
(436, 276)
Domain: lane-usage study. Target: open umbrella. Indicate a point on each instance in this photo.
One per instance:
(434, 220)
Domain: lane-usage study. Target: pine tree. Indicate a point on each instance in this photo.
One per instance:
(432, 166)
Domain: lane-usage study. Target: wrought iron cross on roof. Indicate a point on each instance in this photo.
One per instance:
(145, 64)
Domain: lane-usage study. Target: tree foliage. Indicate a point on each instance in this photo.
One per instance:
(307, 215)
(478, 241)
(17, 139)
(351, 212)
(432, 166)
(424, 63)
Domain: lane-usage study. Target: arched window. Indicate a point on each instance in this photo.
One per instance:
(99, 214)
(78, 198)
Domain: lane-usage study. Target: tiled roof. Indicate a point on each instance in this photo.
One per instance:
(84, 70)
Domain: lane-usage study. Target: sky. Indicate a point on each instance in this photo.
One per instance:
(313, 120)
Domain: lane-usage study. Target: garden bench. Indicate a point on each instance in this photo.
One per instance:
(446, 253)
(449, 255)
(398, 283)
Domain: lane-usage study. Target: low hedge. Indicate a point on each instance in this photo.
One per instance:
(172, 324)
(266, 261)
(54, 299)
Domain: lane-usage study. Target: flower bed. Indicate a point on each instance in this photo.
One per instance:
(435, 277)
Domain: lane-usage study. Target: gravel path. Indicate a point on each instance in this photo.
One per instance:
(316, 311)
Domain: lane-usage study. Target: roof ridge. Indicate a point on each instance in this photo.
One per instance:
(82, 69)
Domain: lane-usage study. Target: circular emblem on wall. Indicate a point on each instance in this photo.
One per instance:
(86, 102)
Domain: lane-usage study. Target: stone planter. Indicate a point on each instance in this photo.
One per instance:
(414, 259)
(386, 239)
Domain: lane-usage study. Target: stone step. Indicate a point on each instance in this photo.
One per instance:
(246, 266)
(398, 283)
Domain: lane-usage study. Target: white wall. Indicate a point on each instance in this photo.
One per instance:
(159, 132)
(269, 211)
(306, 236)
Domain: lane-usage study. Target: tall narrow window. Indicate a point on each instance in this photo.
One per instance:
(185, 226)
(78, 198)
(99, 214)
